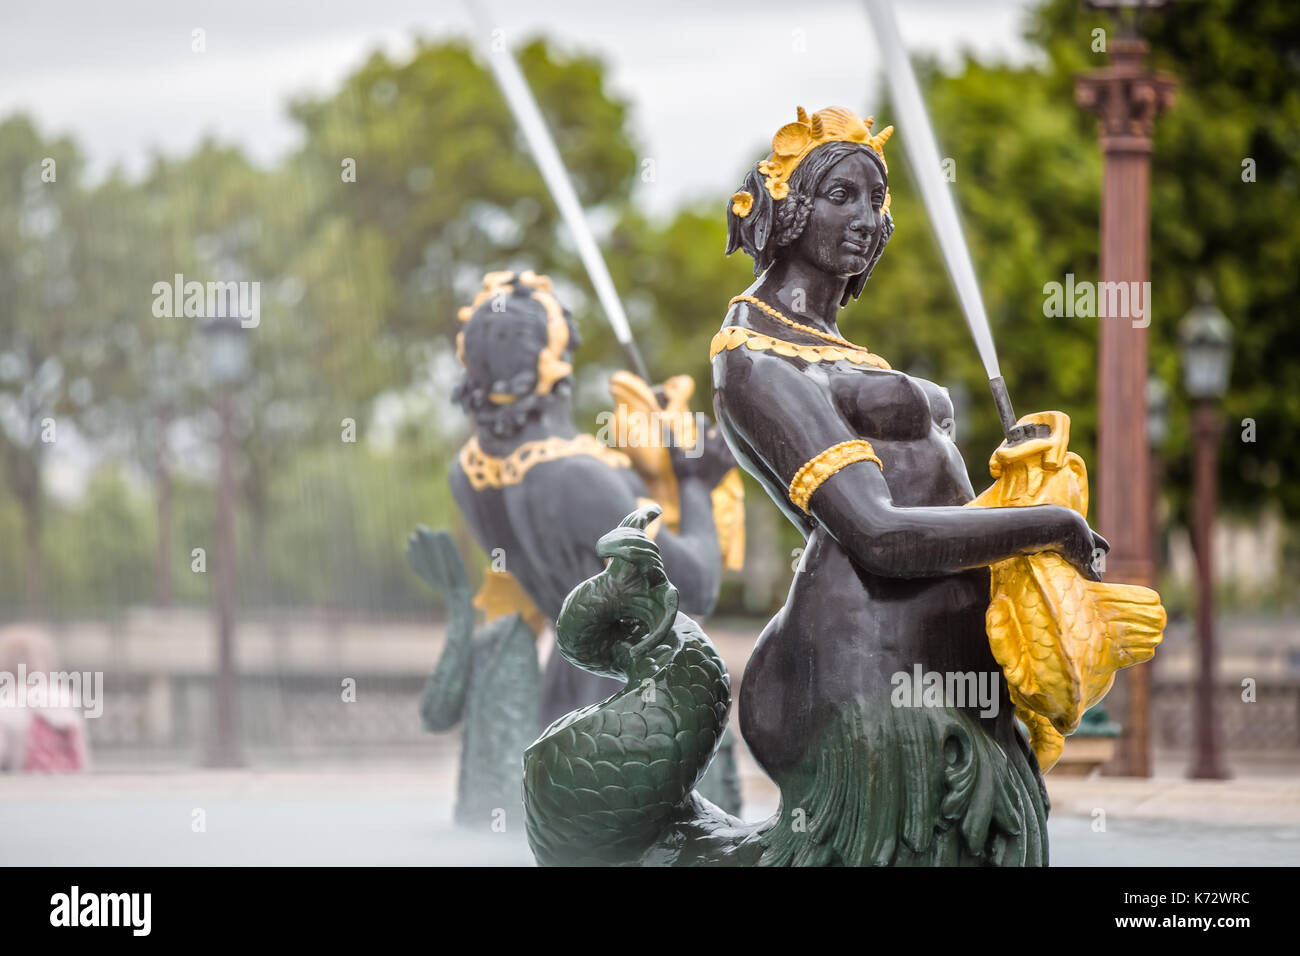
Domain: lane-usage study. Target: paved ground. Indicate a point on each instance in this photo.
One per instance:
(386, 816)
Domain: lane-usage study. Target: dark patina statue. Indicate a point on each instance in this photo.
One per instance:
(883, 698)
(537, 495)
(487, 680)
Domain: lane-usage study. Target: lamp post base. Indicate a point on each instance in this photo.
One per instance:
(1201, 771)
(223, 759)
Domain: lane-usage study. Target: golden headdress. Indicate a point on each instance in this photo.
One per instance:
(796, 140)
(551, 366)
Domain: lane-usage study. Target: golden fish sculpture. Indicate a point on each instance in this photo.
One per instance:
(1058, 636)
(637, 416)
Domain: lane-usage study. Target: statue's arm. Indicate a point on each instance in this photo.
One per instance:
(579, 499)
(692, 553)
(691, 556)
(791, 420)
(463, 494)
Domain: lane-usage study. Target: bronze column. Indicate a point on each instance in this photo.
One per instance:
(1126, 99)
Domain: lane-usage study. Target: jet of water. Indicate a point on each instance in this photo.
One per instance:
(923, 154)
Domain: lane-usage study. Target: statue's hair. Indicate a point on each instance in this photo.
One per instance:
(773, 225)
(474, 396)
(518, 287)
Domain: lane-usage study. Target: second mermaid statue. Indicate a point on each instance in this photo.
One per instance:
(537, 494)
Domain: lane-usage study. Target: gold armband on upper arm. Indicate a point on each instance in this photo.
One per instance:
(815, 471)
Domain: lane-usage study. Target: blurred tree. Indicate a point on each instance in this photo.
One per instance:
(145, 380)
(101, 550)
(1225, 205)
(43, 346)
(320, 296)
(1027, 184)
(423, 160)
(364, 501)
(413, 180)
(418, 182)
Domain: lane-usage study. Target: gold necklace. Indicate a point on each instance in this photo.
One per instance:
(730, 337)
(735, 336)
(488, 471)
(808, 329)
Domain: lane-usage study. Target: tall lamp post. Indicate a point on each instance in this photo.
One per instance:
(227, 354)
(1206, 340)
(1126, 97)
(1157, 437)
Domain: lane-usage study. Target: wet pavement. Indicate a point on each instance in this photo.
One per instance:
(357, 818)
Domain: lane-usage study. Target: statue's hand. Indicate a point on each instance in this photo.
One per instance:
(434, 557)
(707, 462)
(1083, 547)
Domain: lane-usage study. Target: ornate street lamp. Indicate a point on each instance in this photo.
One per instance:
(1158, 402)
(227, 350)
(1206, 340)
(1207, 349)
(1157, 414)
(227, 357)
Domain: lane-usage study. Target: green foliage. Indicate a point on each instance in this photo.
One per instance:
(41, 319)
(342, 544)
(1237, 64)
(361, 281)
(443, 181)
(338, 547)
(1027, 185)
(103, 550)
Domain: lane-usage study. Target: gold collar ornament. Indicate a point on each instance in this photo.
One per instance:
(551, 366)
(794, 141)
(782, 318)
(734, 336)
(488, 471)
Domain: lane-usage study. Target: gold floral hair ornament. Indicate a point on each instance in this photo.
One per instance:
(494, 284)
(741, 203)
(794, 141)
(551, 366)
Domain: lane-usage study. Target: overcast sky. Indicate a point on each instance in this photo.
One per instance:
(121, 77)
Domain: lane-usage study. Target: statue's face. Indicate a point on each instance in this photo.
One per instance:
(501, 347)
(846, 219)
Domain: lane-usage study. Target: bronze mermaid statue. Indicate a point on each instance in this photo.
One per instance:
(859, 699)
(537, 495)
